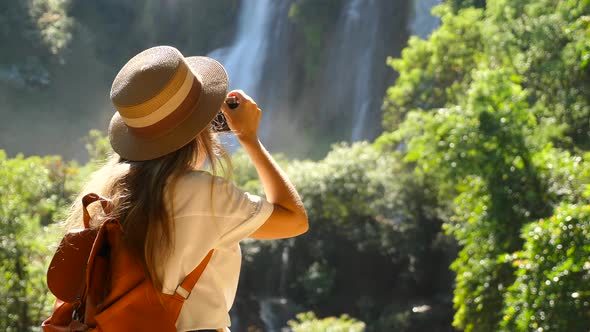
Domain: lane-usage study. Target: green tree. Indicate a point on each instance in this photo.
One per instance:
(375, 248)
(308, 322)
(547, 43)
(32, 196)
(197, 26)
(433, 73)
(480, 152)
(495, 141)
(552, 289)
(40, 32)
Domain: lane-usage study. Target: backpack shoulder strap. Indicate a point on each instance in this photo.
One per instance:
(66, 275)
(90, 198)
(186, 286)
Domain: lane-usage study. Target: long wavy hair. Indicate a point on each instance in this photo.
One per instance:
(141, 204)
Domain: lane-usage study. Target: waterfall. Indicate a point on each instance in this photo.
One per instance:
(347, 78)
(284, 267)
(423, 22)
(276, 310)
(255, 60)
(350, 87)
(363, 26)
(244, 59)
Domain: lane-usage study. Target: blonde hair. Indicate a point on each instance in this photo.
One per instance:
(138, 192)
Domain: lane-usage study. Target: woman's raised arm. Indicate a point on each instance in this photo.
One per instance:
(288, 218)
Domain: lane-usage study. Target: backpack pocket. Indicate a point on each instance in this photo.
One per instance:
(141, 309)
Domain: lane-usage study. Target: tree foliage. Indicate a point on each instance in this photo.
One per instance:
(32, 197)
(200, 26)
(547, 44)
(376, 249)
(308, 322)
(552, 288)
(35, 34)
(504, 146)
(433, 73)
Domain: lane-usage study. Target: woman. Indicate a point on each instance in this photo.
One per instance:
(172, 212)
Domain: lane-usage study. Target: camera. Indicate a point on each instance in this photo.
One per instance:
(220, 122)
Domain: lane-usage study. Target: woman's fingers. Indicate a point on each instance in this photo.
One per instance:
(243, 100)
(237, 93)
(242, 96)
(244, 119)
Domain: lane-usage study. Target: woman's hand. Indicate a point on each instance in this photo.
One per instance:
(244, 119)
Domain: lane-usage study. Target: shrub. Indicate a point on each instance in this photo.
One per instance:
(308, 322)
(552, 288)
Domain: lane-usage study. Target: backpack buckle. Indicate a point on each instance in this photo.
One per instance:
(182, 292)
(75, 313)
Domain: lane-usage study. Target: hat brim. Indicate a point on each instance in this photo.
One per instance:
(214, 82)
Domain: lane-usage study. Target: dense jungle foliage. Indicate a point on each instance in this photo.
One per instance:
(471, 212)
(494, 109)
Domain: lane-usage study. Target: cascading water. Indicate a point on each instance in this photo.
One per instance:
(244, 59)
(348, 75)
(351, 83)
(276, 310)
(353, 80)
(251, 60)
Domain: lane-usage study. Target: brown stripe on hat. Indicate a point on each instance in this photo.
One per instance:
(173, 119)
(153, 104)
(166, 109)
(163, 101)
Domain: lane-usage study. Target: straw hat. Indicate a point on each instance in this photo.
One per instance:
(163, 101)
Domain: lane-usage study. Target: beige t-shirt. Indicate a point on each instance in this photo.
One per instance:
(200, 224)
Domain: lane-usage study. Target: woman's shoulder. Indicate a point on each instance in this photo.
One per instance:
(197, 180)
(196, 191)
(196, 177)
(200, 193)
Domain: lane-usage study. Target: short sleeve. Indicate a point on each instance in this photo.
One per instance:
(237, 212)
(214, 207)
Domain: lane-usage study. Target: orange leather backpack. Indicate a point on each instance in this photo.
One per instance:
(101, 287)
